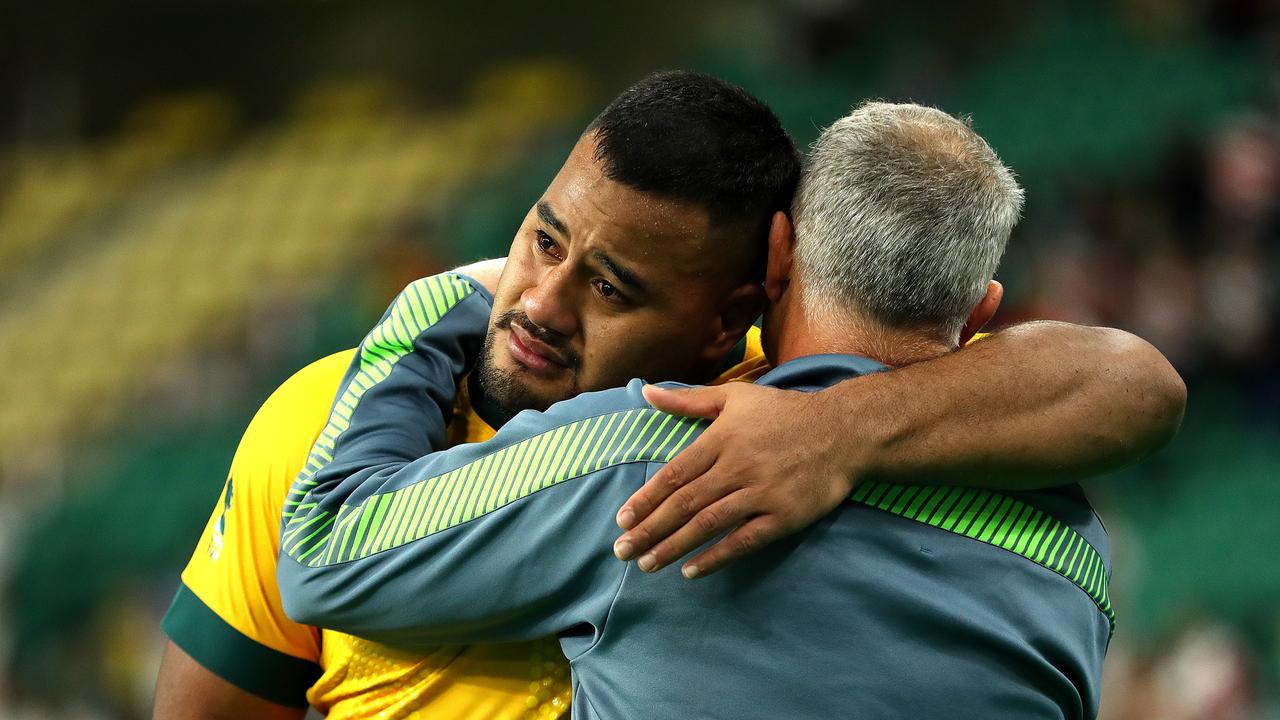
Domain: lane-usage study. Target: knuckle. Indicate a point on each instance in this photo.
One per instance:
(745, 542)
(674, 476)
(663, 552)
(685, 504)
(707, 521)
(753, 537)
(639, 503)
(710, 562)
(777, 503)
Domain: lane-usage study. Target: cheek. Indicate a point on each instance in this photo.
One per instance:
(517, 277)
(617, 351)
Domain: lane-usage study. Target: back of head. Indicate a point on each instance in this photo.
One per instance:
(902, 215)
(688, 136)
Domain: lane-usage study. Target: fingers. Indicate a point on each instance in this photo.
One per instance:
(692, 463)
(753, 535)
(688, 466)
(703, 402)
(707, 523)
(679, 504)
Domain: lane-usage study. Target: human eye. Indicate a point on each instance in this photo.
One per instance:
(608, 291)
(546, 245)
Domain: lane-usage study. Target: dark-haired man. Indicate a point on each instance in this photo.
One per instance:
(643, 257)
(908, 601)
(654, 292)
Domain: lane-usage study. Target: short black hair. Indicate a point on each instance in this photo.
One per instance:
(692, 137)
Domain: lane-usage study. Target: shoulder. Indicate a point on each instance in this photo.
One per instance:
(627, 399)
(289, 421)
(231, 614)
(607, 428)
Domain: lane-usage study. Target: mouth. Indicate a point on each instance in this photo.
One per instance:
(532, 353)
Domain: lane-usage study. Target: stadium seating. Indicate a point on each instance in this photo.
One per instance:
(191, 245)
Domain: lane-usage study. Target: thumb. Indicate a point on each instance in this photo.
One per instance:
(703, 402)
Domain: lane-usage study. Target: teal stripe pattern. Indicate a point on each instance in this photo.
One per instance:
(397, 517)
(1001, 521)
(422, 304)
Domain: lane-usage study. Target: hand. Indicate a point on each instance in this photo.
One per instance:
(766, 468)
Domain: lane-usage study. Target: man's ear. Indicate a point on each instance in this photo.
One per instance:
(982, 312)
(738, 311)
(782, 248)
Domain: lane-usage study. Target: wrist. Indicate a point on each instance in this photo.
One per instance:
(848, 429)
(882, 426)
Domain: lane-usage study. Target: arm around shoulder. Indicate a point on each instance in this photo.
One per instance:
(1036, 405)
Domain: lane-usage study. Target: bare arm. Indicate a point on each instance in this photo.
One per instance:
(1033, 406)
(1037, 405)
(186, 690)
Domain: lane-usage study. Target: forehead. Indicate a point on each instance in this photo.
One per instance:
(633, 226)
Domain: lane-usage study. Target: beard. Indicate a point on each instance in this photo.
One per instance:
(505, 388)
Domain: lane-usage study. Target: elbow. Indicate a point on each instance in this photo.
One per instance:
(1170, 405)
(1155, 389)
(304, 601)
(301, 610)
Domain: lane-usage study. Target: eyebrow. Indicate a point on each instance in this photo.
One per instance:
(548, 216)
(625, 276)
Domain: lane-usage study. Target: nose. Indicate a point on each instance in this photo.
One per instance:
(550, 303)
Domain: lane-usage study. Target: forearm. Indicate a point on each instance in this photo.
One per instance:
(1033, 406)
(527, 512)
(391, 409)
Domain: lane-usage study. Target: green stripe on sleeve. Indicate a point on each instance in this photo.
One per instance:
(235, 657)
(502, 477)
(1003, 522)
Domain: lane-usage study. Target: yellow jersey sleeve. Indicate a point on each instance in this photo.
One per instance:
(750, 366)
(227, 614)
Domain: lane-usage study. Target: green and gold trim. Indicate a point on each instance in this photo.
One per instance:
(235, 657)
(1002, 521)
(400, 516)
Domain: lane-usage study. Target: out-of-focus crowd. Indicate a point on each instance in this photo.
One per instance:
(1188, 259)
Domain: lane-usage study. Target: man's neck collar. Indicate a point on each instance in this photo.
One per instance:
(820, 370)
(799, 335)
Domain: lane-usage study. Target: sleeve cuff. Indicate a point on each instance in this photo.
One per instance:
(234, 656)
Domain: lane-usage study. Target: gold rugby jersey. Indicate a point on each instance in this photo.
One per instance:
(228, 616)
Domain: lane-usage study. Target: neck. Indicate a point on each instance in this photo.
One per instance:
(793, 333)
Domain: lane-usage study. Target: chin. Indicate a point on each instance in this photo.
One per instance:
(514, 390)
(539, 394)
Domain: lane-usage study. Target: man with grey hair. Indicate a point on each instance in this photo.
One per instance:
(902, 214)
(921, 601)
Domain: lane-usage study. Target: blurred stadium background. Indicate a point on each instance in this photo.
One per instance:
(198, 198)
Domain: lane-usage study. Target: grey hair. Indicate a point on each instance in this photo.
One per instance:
(903, 213)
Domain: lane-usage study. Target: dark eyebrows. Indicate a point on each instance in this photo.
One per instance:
(548, 216)
(625, 276)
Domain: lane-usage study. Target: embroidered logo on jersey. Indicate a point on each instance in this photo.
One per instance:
(219, 528)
